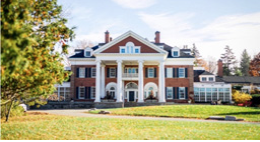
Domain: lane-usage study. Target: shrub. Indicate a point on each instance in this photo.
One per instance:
(255, 100)
(240, 97)
(15, 111)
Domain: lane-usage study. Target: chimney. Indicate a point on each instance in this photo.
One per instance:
(220, 68)
(157, 37)
(106, 37)
(110, 38)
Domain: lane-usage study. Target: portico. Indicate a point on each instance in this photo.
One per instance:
(127, 71)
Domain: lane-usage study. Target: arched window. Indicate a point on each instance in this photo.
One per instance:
(131, 85)
(150, 88)
(111, 90)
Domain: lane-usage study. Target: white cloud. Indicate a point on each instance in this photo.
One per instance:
(135, 4)
(238, 31)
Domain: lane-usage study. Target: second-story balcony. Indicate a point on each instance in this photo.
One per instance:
(130, 76)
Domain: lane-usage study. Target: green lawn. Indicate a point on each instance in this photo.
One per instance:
(53, 127)
(190, 111)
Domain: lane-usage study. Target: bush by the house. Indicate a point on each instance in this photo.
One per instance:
(255, 100)
(241, 97)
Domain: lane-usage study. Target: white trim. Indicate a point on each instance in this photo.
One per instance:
(80, 72)
(92, 68)
(180, 93)
(167, 93)
(134, 35)
(83, 92)
(183, 73)
(148, 72)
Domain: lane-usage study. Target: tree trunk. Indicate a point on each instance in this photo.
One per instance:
(8, 114)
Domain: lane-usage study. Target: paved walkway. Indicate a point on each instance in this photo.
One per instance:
(82, 113)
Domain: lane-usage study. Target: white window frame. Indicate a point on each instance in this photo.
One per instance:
(169, 73)
(82, 72)
(129, 48)
(110, 73)
(182, 88)
(93, 72)
(180, 73)
(93, 92)
(169, 92)
(148, 73)
(79, 92)
(123, 47)
(89, 53)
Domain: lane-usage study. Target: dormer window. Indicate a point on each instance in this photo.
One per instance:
(204, 79)
(129, 48)
(88, 52)
(175, 52)
(211, 79)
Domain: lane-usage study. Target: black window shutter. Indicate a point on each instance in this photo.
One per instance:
(89, 92)
(107, 72)
(77, 92)
(166, 72)
(186, 72)
(178, 96)
(177, 74)
(173, 72)
(173, 92)
(155, 72)
(86, 72)
(186, 92)
(89, 72)
(116, 72)
(165, 93)
(86, 92)
(77, 72)
(146, 72)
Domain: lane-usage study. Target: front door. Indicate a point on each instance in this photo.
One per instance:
(131, 96)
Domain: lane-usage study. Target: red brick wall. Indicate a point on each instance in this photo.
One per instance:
(154, 80)
(75, 82)
(144, 48)
(107, 79)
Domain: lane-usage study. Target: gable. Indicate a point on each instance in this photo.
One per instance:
(143, 47)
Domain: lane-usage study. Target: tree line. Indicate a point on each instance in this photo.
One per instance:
(247, 66)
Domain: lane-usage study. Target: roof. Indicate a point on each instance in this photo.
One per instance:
(242, 79)
(197, 73)
(169, 49)
(80, 53)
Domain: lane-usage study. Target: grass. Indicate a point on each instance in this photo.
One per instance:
(190, 111)
(53, 127)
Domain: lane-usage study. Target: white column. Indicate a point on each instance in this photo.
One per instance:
(119, 81)
(141, 82)
(97, 99)
(161, 82)
(103, 89)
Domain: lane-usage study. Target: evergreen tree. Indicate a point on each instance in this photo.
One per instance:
(254, 68)
(244, 63)
(195, 52)
(29, 66)
(229, 61)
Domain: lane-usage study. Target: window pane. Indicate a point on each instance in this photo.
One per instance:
(136, 50)
(150, 72)
(169, 93)
(175, 53)
(181, 72)
(93, 92)
(112, 72)
(182, 93)
(81, 72)
(81, 92)
(122, 50)
(93, 72)
(87, 53)
(211, 79)
(169, 72)
(204, 79)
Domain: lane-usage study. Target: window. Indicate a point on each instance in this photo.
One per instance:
(122, 50)
(175, 53)
(93, 72)
(93, 92)
(169, 72)
(181, 93)
(196, 94)
(204, 79)
(81, 94)
(181, 72)
(150, 72)
(169, 93)
(208, 94)
(81, 72)
(112, 72)
(88, 53)
(136, 50)
(211, 79)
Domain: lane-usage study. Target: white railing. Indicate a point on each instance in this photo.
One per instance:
(130, 75)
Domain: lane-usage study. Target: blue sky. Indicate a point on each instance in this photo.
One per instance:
(210, 24)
